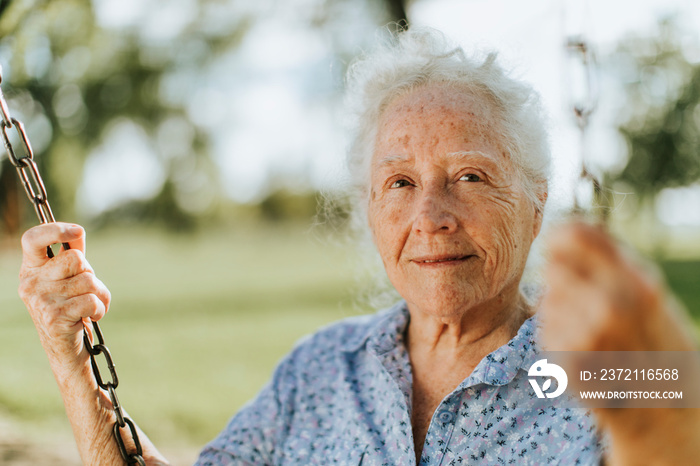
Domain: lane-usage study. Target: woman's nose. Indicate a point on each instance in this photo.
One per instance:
(434, 214)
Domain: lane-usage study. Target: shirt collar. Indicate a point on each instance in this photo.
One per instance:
(502, 365)
(387, 329)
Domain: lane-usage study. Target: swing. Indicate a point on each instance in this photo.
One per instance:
(36, 192)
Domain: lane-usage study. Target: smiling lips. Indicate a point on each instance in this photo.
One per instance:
(440, 259)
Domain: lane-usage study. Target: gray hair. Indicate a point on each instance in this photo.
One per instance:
(416, 57)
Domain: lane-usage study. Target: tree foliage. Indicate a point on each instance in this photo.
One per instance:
(72, 80)
(661, 120)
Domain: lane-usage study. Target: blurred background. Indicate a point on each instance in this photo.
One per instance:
(195, 140)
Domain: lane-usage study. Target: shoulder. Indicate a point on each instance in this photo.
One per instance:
(315, 372)
(345, 336)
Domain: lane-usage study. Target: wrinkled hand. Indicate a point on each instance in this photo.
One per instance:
(600, 298)
(60, 293)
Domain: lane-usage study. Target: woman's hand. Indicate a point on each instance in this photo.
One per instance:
(600, 298)
(60, 293)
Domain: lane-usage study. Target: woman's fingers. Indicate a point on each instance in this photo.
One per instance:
(66, 264)
(600, 298)
(84, 284)
(571, 309)
(86, 306)
(54, 299)
(35, 241)
(589, 252)
(35, 281)
(62, 292)
(590, 293)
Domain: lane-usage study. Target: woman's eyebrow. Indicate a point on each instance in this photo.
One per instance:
(392, 159)
(470, 154)
(395, 159)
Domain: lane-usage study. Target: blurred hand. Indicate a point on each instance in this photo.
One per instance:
(60, 293)
(600, 298)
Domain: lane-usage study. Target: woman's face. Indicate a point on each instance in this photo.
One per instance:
(447, 210)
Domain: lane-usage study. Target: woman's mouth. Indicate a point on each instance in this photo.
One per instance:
(441, 259)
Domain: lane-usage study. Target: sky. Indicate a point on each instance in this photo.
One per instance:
(530, 36)
(270, 108)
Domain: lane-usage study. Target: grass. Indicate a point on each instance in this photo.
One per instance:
(196, 327)
(198, 323)
(684, 279)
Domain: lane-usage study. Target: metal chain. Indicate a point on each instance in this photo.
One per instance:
(36, 192)
(580, 76)
(583, 106)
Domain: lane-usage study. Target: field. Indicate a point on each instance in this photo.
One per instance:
(197, 325)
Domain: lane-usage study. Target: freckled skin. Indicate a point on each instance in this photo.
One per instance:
(442, 188)
(436, 211)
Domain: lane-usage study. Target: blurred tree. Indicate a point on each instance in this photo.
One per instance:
(661, 116)
(73, 80)
(286, 205)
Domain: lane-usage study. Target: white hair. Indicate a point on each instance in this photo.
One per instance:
(416, 57)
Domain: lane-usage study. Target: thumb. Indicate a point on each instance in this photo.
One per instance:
(37, 239)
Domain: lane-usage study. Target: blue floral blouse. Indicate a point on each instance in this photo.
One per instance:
(343, 396)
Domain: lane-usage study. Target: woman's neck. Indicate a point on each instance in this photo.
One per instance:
(476, 332)
(445, 351)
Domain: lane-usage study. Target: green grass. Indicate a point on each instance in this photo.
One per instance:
(198, 323)
(196, 327)
(684, 279)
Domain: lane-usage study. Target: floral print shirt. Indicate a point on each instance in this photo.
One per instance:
(343, 396)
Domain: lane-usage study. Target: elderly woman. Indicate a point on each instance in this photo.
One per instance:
(450, 166)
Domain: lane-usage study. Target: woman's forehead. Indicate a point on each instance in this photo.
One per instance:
(430, 110)
(437, 98)
(439, 119)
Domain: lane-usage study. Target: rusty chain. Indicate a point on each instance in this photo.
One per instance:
(36, 192)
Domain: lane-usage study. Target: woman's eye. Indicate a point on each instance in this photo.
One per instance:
(400, 184)
(470, 177)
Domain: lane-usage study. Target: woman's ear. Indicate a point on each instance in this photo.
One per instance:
(539, 210)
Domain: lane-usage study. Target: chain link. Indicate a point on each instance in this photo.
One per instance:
(36, 192)
(584, 102)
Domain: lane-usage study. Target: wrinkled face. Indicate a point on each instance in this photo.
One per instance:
(447, 210)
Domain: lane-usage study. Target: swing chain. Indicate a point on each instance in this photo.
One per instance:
(586, 105)
(36, 192)
(583, 106)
